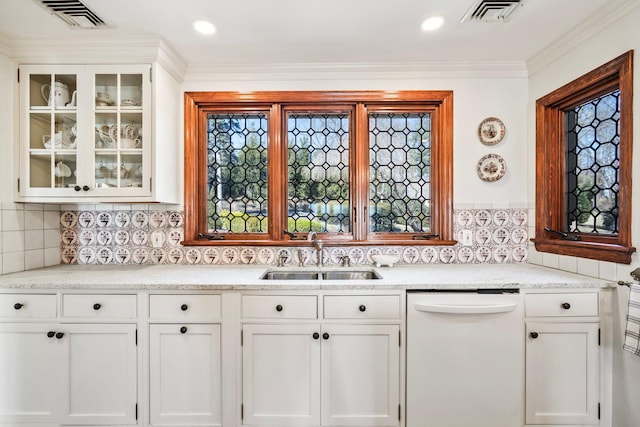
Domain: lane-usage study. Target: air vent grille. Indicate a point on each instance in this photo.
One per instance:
(74, 13)
(492, 10)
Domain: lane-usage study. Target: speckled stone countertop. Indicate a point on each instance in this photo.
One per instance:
(233, 277)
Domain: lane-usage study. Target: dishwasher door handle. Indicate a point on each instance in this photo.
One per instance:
(464, 308)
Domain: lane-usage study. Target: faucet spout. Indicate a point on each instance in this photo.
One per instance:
(318, 245)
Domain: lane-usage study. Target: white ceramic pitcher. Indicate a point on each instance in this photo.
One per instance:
(59, 96)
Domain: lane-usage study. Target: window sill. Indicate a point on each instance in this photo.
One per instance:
(593, 250)
(327, 242)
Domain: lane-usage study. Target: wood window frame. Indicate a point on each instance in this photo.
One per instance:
(551, 167)
(198, 104)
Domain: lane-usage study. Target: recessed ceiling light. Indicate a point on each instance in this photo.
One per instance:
(432, 23)
(203, 26)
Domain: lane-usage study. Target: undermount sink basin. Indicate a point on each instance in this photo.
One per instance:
(350, 275)
(321, 275)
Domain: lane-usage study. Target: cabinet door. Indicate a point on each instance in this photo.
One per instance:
(281, 374)
(562, 372)
(121, 131)
(50, 115)
(30, 373)
(185, 375)
(101, 374)
(360, 375)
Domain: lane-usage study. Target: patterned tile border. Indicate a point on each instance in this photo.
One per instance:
(153, 237)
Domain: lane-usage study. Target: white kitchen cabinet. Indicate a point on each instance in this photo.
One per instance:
(328, 373)
(31, 368)
(87, 134)
(562, 359)
(281, 375)
(100, 374)
(360, 366)
(68, 374)
(185, 374)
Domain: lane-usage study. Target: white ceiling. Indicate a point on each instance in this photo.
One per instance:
(259, 32)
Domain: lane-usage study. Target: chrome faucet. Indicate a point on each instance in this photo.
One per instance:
(318, 245)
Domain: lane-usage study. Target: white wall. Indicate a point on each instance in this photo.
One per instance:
(611, 42)
(474, 99)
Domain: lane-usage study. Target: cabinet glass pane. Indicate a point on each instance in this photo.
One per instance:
(131, 131)
(131, 90)
(106, 90)
(65, 170)
(106, 136)
(52, 90)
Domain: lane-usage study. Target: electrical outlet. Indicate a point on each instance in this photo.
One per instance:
(466, 237)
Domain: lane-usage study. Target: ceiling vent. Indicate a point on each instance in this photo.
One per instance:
(492, 10)
(74, 13)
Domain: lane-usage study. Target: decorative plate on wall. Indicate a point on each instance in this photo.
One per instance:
(491, 131)
(491, 167)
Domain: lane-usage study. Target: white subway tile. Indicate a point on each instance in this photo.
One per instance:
(33, 220)
(51, 239)
(34, 259)
(51, 256)
(51, 220)
(51, 207)
(550, 260)
(12, 241)
(457, 206)
(69, 207)
(121, 207)
(12, 220)
(607, 271)
(1, 270)
(534, 257)
(588, 267)
(568, 263)
(85, 207)
(500, 205)
(33, 206)
(519, 205)
(11, 206)
(12, 262)
(104, 207)
(33, 239)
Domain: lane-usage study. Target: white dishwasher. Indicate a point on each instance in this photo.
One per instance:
(465, 358)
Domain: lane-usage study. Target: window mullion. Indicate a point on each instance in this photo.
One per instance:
(277, 171)
(360, 173)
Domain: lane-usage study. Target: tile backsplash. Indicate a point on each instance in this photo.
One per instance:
(152, 236)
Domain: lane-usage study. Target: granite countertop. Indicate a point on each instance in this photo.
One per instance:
(241, 277)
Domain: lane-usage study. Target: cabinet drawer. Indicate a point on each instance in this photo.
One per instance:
(561, 305)
(19, 306)
(188, 306)
(280, 306)
(99, 306)
(362, 307)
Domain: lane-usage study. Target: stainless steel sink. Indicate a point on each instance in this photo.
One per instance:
(350, 275)
(321, 275)
(291, 275)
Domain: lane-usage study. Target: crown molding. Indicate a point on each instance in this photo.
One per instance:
(359, 71)
(100, 50)
(601, 19)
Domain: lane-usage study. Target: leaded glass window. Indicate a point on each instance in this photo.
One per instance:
(237, 173)
(593, 161)
(318, 172)
(400, 172)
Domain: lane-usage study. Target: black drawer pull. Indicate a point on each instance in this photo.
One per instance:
(362, 308)
(184, 307)
(183, 330)
(565, 305)
(59, 335)
(97, 306)
(279, 307)
(18, 306)
(316, 335)
(533, 335)
(51, 334)
(77, 188)
(325, 336)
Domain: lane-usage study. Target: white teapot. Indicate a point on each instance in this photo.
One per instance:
(58, 96)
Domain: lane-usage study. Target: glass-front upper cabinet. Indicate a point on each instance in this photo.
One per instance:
(85, 132)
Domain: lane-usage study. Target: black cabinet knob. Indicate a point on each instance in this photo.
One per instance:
(97, 306)
(183, 330)
(184, 307)
(51, 334)
(325, 336)
(85, 188)
(59, 335)
(279, 307)
(77, 188)
(316, 335)
(533, 335)
(565, 305)
(362, 308)
(18, 306)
